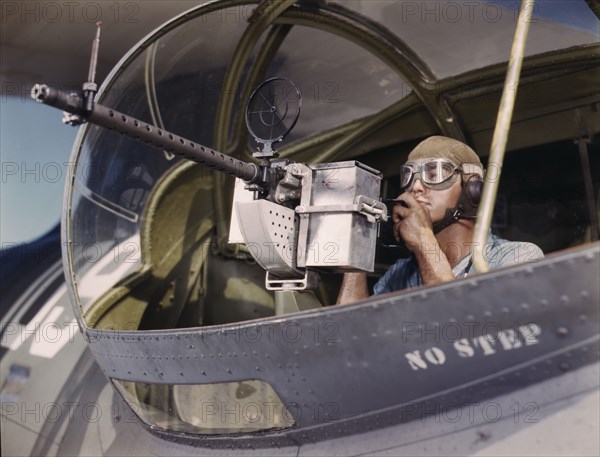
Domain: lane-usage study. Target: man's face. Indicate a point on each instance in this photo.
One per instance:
(436, 202)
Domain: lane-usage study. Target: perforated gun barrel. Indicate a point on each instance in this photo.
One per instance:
(74, 103)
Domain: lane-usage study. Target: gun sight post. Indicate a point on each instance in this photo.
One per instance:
(90, 88)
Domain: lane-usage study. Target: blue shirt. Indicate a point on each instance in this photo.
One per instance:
(498, 252)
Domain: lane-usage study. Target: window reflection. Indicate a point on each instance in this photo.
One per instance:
(228, 407)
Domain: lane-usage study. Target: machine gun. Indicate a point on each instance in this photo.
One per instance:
(294, 218)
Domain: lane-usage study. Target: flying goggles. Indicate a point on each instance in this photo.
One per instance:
(436, 174)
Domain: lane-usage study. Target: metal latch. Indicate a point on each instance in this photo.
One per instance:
(372, 209)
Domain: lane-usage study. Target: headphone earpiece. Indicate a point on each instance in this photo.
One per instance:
(472, 189)
(466, 206)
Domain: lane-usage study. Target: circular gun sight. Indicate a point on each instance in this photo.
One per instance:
(272, 112)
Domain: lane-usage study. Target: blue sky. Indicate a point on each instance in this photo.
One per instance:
(35, 147)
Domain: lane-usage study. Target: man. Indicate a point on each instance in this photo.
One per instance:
(435, 217)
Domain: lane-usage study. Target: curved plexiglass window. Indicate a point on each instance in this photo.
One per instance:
(459, 36)
(315, 60)
(174, 83)
(143, 226)
(137, 252)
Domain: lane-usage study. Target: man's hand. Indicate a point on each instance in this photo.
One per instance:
(412, 222)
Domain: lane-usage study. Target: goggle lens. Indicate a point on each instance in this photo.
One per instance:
(431, 173)
(405, 175)
(437, 172)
